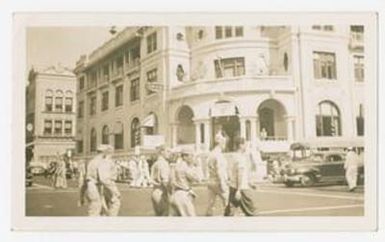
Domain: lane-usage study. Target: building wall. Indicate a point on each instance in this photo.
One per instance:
(287, 83)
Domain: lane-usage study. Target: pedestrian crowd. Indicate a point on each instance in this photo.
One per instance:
(172, 177)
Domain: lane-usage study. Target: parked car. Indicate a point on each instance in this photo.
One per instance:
(320, 167)
(28, 177)
(37, 168)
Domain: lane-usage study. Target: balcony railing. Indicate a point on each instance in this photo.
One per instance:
(233, 84)
(356, 40)
(117, 73)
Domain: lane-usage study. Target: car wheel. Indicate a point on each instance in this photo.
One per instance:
(289, 184)
(307, 180)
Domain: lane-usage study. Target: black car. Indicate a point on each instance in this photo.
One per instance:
(323, 167)
(28, 177)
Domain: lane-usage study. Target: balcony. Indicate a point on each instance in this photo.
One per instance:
(117, 74)
(356, 40)
(233, 84)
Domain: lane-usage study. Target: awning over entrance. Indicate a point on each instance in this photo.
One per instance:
(222, 109)
(149, 121)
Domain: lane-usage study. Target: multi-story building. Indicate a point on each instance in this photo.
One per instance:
(273, 85)
(50, 113)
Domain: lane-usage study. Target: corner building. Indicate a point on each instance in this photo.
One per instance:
(50, 113)
(273, 85)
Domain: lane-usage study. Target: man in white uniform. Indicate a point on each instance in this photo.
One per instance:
(99, 186)
(351, 169)
(185, 174)
(218, 177)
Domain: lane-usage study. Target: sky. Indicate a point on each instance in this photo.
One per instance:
(47, 46)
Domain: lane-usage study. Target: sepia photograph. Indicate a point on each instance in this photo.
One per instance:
(190, 119)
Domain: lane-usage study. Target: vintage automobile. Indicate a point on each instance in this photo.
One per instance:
(318, 167)
(28, 177)
(37, 167)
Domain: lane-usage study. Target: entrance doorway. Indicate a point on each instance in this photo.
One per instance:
(230, 128)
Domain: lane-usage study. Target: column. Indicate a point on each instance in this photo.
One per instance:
(242, 122)
(253, 131)
(174, 134)
(197, 136)
(290, 128)
(207, 134)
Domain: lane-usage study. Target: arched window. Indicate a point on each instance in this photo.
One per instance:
(328, 121)
(135, 132)
(186, 127)
(48, 100)
(179, 73)
(105, 135)
(118, 135)
(93, 140)
(68, 102)
(59, 101)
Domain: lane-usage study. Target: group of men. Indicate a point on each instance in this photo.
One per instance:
(172, 181)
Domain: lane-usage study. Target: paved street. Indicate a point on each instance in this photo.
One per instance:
(273, 200)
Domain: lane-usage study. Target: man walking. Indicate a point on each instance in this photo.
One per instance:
(160, 174)
(351, 169)
(241, 192)
(99, 186)
(218, 177)
(185, 174)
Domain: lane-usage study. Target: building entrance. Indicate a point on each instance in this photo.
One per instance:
(229, 126)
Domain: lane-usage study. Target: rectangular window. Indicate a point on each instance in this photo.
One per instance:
(218, 32)
(328, 28)
(152, 77)
(228, 31)
(151, 43)
(92, 79)
(105, 98)
(79, 146)
(68, 127)
(119, 65)
(68, 104)
(59, 104)
(81, 83)
(48, 104)
(359, 72)
(106, 73)
(324, 65)
(92, 105)
(47, 127)
(118, 138)
(238, 31)
(134, 91)
(119, 96)
(81, 109)
(230, 67)
(323, 27)
(58, 127)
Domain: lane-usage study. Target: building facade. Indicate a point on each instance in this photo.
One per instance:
(50, 113)
(273, 85)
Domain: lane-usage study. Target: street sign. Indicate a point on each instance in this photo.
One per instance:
(223, 109)
(153, 140)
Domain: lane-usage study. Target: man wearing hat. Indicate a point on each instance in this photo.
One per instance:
(241, 184)
(218, 174)
(185, 174)
(351, 168)
(99, 186)
(160, 174)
